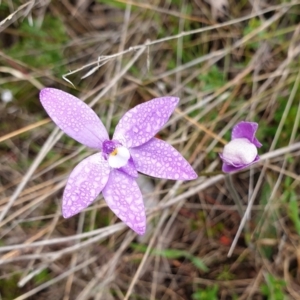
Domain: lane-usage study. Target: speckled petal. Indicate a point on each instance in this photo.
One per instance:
(246, 130)
(74, 117)
(130, 169)
(84, 184)
(230, 168)
(142, 122)
(159, 159)
(124, 198)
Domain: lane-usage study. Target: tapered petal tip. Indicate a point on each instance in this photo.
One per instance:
(192, 175)
(142, 122)
(48, 95)
(186, 173)
(159, 159)
(140, 230)
(124, 198)
(175, 100)
(68, 214)
(45, 93)
(74, 117)
(68, 210)
(85, 183)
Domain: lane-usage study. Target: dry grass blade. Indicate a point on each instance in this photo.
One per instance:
(24, 129)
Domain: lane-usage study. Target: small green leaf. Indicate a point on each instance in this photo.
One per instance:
(294, 212)
(199, 263)
(174, 254)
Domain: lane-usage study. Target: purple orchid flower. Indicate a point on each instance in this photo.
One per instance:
(114, 168)
(241, 151)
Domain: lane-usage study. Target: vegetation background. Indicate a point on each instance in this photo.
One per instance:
(228, 60)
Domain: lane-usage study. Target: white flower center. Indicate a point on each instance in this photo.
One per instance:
(119, 157)
(239, 152)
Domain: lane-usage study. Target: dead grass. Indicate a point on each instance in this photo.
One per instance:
(238, 63)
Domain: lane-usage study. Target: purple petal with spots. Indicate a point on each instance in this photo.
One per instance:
(74, 117)
(130, 169)
(143, 121)
(159, 159)
(124, 198)
(84, 184)
(246, 130)
(230, 168)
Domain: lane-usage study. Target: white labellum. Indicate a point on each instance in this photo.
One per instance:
(239, 152)
(119, 157)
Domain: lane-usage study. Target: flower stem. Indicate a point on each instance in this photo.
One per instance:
(234, 194)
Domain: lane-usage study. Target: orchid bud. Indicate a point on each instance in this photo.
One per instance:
(241, 151)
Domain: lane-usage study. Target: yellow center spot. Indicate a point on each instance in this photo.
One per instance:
(114, 153)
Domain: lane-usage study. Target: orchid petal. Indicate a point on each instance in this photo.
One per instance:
(143, 121)
(74, 117)
(124, 198)
(84, 184)
(226, 168)
(246, 130)
(159, 159)
(130, 169)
